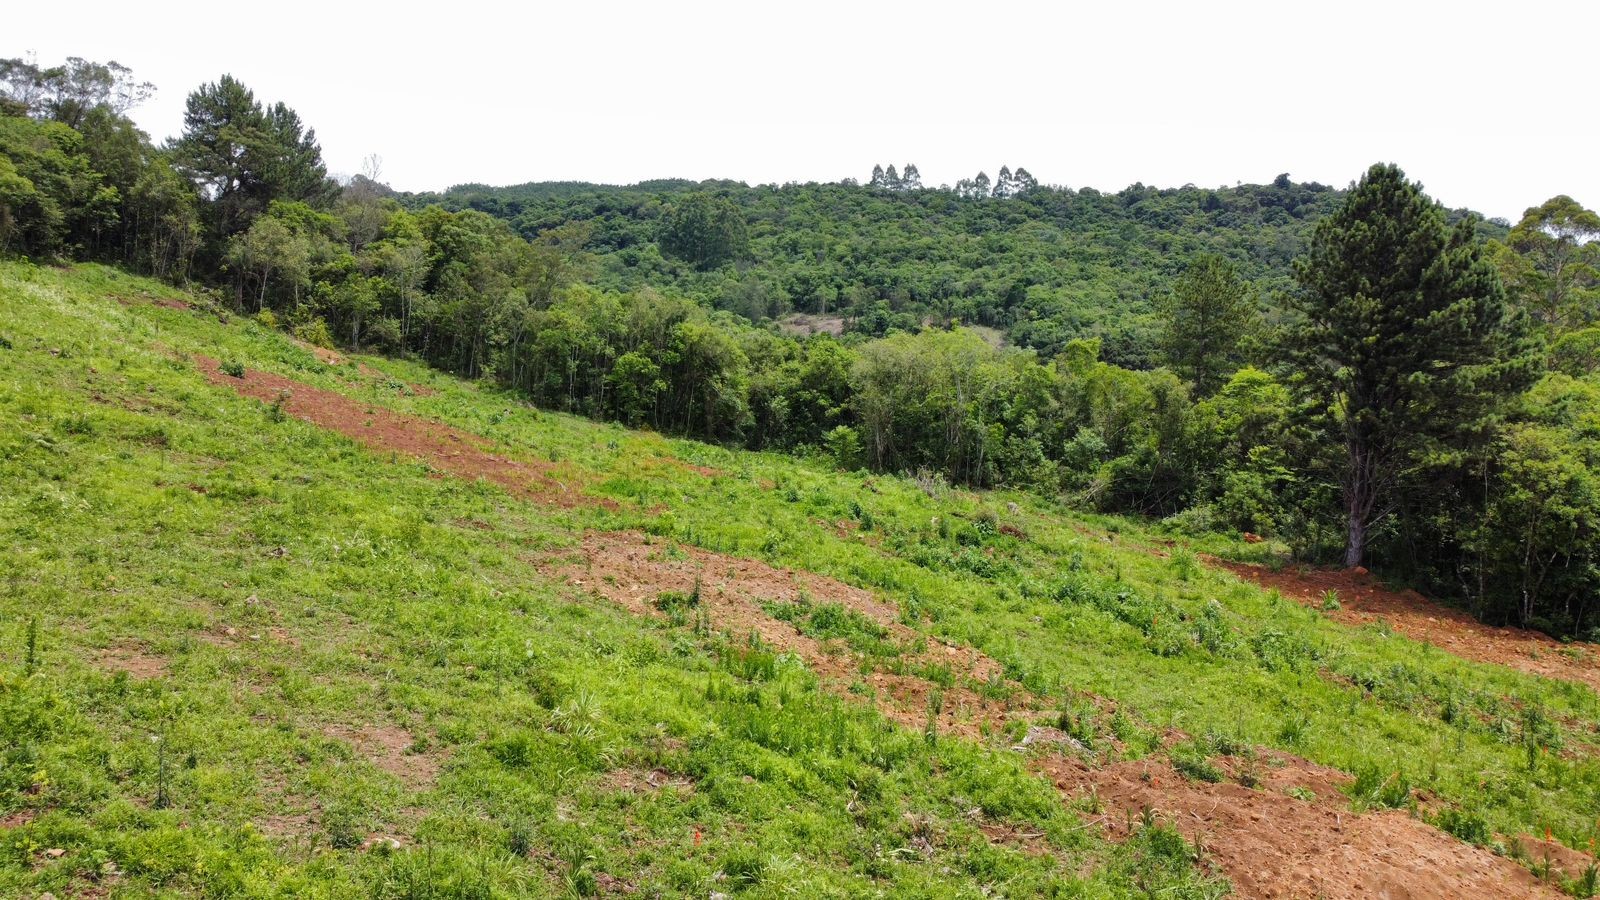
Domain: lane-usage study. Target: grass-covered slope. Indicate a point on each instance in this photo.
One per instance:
(241, 654)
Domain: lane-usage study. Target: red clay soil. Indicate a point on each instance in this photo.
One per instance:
(457, 452)
(1270, 844)
(632, 570)
(1363, 599)
(389, 748)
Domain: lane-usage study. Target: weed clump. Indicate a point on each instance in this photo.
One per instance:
(1377, 788)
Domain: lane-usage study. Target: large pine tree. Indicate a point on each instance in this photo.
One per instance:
(1405, 333)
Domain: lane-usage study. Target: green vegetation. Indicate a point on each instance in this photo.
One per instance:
(1345, 371)
(244, 656)
(297, 589)
(239, 656)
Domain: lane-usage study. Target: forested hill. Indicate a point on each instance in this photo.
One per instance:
(1046, 264)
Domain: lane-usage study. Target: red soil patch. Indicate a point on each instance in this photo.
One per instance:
(389, 748)
(631, 570)
(1271, 844)
(1570, 863)
(457, 452)
(707, 471)
(1363, 599)
(132, 659)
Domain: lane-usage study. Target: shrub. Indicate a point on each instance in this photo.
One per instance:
(1376, 787)
(314, 331)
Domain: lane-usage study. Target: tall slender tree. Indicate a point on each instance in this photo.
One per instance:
(1405, 333)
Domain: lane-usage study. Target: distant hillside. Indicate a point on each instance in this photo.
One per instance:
(1046, 266)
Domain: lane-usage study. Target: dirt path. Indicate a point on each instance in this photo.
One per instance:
(633, 570)
(1268, 843)
(457, 452)
(1363, 599)
(1271, 844)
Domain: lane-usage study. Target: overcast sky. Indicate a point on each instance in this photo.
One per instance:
(1496, 110)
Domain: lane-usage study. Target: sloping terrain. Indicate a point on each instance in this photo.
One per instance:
(281, 623)
(1361, 600)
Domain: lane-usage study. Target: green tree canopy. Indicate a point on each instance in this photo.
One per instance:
(1208, 313)
(1553, 266)
(704, 231)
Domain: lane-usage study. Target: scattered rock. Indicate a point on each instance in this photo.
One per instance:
(1043, 735)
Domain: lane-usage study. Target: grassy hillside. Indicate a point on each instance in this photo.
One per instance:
(243, 653)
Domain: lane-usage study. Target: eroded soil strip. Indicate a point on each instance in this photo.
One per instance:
(457, 452)
(1362, 599)
(630, 569)
(1270, 844)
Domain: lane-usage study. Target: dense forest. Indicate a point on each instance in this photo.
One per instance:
(1045, 265)
(1359, 373)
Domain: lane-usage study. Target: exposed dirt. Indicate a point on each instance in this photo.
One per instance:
(460, 453)
(1271, 844)
(323, 354)
(633, 570)
(135, 660)
(389, 748)
(645, 781)
(1570, 863)
(1364, 599)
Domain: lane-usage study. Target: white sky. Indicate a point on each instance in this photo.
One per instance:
(1492, 107)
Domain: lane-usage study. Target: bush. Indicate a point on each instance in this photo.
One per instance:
(314, 331)
(844, 446)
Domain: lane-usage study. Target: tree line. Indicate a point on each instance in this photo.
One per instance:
(1408, 396)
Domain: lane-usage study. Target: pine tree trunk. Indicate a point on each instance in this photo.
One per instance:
(1356, 548)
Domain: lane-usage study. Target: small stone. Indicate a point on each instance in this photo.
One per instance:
(55, 853)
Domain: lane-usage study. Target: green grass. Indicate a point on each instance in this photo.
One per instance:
(141, 506)
(292, 590)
